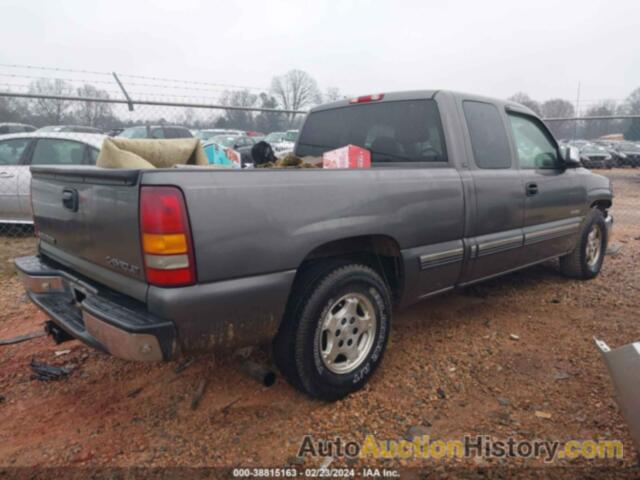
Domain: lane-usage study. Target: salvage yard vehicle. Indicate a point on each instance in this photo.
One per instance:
(150, 264)
(15, 128)
(286, 143)
(595, 156)
(19, 151)
(628, 154)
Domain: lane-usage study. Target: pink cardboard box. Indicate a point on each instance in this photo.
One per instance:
(350, 156)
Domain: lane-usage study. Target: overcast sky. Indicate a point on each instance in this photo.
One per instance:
(488, 47)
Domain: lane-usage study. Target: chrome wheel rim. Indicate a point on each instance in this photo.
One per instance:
(346, 333)
(594, 246)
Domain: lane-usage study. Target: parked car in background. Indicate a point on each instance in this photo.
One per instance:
(595, 156)
(21, 150)
(253, 133)
(70, 129)
(274, 137)
(628, 154)
(156, 131)
(15, 128)
(287, 144)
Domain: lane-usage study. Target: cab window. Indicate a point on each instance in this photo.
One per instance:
(534, 147)
(58, 152)
(11, 150)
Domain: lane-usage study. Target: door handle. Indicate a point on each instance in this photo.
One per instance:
(532, 189)
(70, 199)
(6, 175)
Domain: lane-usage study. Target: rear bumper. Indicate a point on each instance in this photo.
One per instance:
(99, 317)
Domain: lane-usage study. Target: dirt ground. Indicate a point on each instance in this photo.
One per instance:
(479, 361)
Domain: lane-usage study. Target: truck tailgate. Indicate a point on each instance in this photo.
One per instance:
(87, 220)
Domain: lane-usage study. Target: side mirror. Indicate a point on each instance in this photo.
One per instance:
(572, 157)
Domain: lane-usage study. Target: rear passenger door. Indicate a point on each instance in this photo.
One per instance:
(555, 196)
(494, 237)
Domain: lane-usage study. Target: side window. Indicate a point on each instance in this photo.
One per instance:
(58, 152)
(157, 133)
(11, 150)
(93, 155)
(488, 136)
(535, 148)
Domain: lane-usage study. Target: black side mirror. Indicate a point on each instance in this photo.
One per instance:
(572, 158)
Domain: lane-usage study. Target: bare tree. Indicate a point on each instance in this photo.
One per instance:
(239, 119)
(295, 90)
(51, 111)
(525, 100)
(333, 94)
(93, 114)
(557, 107)
(598, 128)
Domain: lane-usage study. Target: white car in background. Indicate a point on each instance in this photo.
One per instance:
(286, 145)
(18, 151)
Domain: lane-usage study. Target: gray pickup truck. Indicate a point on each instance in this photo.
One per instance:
(149, 264)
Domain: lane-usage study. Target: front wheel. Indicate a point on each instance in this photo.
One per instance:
(585, 262)
(333, 337)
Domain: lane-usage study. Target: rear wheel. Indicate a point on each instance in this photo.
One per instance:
(333, 338)
(585, 262)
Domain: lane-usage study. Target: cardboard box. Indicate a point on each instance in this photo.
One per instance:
(350, 156)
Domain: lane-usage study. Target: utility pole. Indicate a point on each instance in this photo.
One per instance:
(575, 126)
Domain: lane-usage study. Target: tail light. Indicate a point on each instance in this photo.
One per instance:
(166, 237)
(367, 98)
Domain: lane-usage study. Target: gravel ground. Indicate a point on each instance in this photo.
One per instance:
(480, 361)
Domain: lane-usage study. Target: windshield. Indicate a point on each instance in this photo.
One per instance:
(291, 136)
(225, 140)
(134, 132)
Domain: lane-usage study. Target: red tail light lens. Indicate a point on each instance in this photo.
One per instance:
(166, 237)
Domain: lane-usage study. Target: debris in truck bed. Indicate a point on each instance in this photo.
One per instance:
(291, 161)
(22, 338)
(45, 372)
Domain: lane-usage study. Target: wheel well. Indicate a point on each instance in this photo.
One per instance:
(380, 252)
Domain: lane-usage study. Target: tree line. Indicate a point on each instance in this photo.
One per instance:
(561, 108)
(294, 90)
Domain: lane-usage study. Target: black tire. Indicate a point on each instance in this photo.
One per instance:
(298, 344)
(576, 264)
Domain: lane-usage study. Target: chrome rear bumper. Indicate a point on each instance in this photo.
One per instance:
(96, 316)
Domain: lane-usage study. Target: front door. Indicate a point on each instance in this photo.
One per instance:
(555, 196)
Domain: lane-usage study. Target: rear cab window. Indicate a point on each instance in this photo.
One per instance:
(397, 133)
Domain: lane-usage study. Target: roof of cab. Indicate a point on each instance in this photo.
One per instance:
(429, 94)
